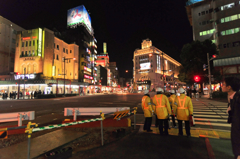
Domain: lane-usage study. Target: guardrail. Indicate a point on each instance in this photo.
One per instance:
(32, 127)
(17, 116)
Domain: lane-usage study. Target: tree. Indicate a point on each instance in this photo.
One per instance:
(193, 56)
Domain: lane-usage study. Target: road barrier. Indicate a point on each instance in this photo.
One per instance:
(32, 127)
(17, 116)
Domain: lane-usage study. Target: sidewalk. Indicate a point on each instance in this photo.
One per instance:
(150, 145)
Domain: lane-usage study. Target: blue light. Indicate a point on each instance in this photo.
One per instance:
(190, 2)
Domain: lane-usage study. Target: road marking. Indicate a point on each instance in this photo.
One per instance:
(210, 116)
(211, 154)
(213, 124)
(208, 119)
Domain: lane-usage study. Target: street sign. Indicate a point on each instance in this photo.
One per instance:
(3, 135)
(204, 67)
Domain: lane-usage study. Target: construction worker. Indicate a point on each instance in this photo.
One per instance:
(184, 110)
(173, 107)
(162, 109)
(148, 111)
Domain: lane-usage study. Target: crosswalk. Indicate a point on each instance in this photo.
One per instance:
(210, 114)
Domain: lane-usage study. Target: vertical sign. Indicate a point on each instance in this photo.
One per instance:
(40, 42)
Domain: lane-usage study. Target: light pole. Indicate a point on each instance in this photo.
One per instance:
(209, 74)
(64, 59)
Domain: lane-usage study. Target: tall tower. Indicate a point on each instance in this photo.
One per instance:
(105, 48)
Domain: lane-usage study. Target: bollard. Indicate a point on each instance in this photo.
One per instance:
(135, 111)
(102, 116)
(29, 131)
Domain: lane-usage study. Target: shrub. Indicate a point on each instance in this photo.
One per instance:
(220, 95)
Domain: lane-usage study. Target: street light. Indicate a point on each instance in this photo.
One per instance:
(64, 59)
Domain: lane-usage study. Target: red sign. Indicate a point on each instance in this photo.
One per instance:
(88, 77)
(26, 38)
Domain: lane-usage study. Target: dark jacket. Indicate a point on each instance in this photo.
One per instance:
(235, 129)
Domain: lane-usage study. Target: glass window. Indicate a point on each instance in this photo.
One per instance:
(204, 23)
(22, 44)
(236, 30)
(227, 19)
(213, 41)
(33, 53)
(222, 32)
(26, 43)
(22, 53)
(234, 17)
(203, 12)
(33, 42)
(29, 53)
(57, 57)
(204, 32)
(222, 20)
(228, 32)
(70, 51)
(63, 49)
(25, 53)
(58, 47)
(207, 12)
(199, 14)
(29, 43)
(54, 45)
(212, 31)
(239, 14)
(67, 51)
(208, 31)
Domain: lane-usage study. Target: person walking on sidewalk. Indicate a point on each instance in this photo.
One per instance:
(184, 110)
(231, 85)
(148, 111)
(162, 108)
(173, 106)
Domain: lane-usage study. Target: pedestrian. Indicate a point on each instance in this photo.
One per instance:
(173, 106)
(200, 92)
(231, 85)
(184, 110)
(147, 110)
(162, 108)
(10, 95)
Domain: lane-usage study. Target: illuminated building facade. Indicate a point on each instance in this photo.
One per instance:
(218, 21)
(149, 63)
(8, 33)
(115, 75)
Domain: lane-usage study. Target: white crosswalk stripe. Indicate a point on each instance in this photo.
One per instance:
(210, 114)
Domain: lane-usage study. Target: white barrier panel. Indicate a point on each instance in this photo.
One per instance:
(92, 111)
(17, 116)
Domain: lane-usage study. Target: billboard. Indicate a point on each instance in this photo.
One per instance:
(145, 66)
(79, 15)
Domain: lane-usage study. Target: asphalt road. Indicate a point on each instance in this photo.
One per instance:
(48, 110)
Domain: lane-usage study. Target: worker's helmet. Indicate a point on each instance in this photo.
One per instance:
(181, 90)
(146, 91)
(159, 89)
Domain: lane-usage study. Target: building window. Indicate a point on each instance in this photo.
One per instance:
(54, 45)
(29, 43)
(227, 19)
(207, 12)
(53, 56)
(64, 50)
(33, 42)
(22, 44)
(211, 10)
(58, 47)
(57, 57)
(234, 17)
(222, 20)
(204, 23)
(203, 12)
(67, 51)
(70, 51)
(25, 53)
(199, 14)
(26, 43)
(22, 54)
(33, 53)
(29, 53)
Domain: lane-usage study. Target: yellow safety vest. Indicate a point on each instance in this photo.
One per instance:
(159, 104)
(182, 105)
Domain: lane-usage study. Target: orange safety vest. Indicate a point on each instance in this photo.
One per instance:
(159, 104)
(144, 103)
(182, 106)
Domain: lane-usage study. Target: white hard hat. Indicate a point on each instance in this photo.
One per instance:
(172, 91)
(181, 90)
(146, 91)
(159, 89)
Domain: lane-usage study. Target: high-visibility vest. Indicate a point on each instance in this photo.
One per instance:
(182, 100)
(159, 104)
(144, 102)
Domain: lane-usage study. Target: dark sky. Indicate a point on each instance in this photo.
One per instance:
(123, 24)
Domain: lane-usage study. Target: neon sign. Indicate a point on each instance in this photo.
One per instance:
(27, 76)
(87, 69)
(88, 77)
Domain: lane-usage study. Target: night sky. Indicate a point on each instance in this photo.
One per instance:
(123, 24)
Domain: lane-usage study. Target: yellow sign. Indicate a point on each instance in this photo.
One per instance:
(3, 135)
(120, 114)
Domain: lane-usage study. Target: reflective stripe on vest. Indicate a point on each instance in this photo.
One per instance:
(144, 102)
(182, 100)
(159, 104)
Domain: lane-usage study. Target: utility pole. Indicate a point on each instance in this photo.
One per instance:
(163, 74)
(209, 76)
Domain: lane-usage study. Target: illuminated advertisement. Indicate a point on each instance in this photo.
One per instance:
(145, 66)
(26, 76)
(87, 69)
(88, 77)
(79, 15)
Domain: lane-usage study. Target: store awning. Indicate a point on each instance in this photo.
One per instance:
(226, 61)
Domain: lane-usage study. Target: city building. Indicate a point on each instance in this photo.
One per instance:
(8, 32)
(152, 68)
(115, 74)
(218, 20)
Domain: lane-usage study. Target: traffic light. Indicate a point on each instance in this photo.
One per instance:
(16, 73)
(197, 78)
(214, 56)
